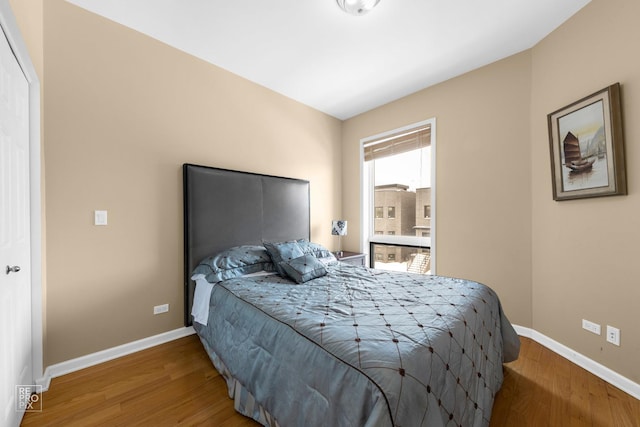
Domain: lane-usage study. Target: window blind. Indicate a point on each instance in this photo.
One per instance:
(401, 142)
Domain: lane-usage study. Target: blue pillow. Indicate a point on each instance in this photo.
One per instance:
(304, 268)
(317, 250)
(282, 251)
(234, 262)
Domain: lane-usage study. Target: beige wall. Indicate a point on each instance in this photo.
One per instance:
(552, 263)
(123, 112)
(585, 251)
(483, 204)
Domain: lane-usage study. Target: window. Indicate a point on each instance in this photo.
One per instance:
(391, 212)
(402, 258)
(398, 177)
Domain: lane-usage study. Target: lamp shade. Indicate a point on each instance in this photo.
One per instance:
(339, 227)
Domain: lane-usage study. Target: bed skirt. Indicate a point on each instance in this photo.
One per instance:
(243, 400)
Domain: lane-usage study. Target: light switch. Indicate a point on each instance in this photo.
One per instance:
(100, 218)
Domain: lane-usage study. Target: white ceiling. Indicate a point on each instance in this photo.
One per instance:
(343, 65)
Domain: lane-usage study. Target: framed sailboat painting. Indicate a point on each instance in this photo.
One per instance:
(587, 147)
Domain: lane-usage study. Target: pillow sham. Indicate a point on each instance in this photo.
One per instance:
(282, 251)
(317, 250)
(234, 262)
(304, 268)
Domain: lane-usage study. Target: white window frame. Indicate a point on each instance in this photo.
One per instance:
(367, 197)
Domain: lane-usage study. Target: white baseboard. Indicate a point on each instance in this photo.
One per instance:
(612, 377)
(82, 362)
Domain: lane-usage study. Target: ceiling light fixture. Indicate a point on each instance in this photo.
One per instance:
(357, 7)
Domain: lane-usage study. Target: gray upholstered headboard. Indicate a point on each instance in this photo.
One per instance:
(225, 208)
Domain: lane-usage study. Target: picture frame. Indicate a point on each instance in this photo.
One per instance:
(587, 147)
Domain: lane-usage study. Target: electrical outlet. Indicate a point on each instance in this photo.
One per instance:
(613, 335)
(158, 309)
(591, 327)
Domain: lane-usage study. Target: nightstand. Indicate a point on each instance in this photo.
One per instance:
(354, 258)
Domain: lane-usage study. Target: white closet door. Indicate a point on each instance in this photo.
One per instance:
(15, 281)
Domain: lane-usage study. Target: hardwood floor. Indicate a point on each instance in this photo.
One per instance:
(170, 384)
(176, 384)
(542, 388)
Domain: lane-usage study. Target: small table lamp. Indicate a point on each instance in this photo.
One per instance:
(339, 228)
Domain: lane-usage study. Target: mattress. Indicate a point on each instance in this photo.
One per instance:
(360, 347)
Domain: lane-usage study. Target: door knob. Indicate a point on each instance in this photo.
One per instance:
(13, 269)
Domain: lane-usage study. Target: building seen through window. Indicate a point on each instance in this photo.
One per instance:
(411, 214)
(391, 212)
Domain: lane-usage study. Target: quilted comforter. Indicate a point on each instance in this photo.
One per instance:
(362, 347)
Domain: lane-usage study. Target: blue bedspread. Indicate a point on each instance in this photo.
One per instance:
(363, 347)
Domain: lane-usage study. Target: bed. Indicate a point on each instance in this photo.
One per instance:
(307, 340)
